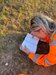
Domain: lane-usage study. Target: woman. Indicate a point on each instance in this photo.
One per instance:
(45, 29)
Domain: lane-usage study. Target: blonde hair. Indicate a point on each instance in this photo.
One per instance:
(44, 22)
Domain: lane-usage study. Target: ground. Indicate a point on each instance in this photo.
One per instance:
(13, 61)
(15, 16)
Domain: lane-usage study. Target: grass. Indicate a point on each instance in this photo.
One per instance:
(18, 14)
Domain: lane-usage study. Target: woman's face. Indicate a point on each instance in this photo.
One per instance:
(39, 33)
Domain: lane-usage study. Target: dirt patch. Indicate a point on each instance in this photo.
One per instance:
(13, 61)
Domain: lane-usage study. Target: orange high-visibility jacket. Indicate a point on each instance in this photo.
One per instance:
(46, 59)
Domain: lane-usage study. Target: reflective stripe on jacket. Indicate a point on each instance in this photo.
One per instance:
(46, 59)
(52, 53)
(39, 59)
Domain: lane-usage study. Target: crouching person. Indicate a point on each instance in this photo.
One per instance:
(45, 29)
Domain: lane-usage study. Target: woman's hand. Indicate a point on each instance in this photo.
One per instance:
(33, 34)
(25, 49)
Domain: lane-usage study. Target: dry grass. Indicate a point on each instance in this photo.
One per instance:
(15, 15)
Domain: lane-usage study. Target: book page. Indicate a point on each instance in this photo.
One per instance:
(30, 43)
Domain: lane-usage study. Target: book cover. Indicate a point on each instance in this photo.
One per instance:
(30, 43)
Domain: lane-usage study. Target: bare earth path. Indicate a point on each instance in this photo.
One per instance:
(13, 61)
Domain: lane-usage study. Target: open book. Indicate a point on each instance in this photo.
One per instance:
(30, 43)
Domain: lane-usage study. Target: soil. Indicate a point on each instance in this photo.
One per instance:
(14, 62)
